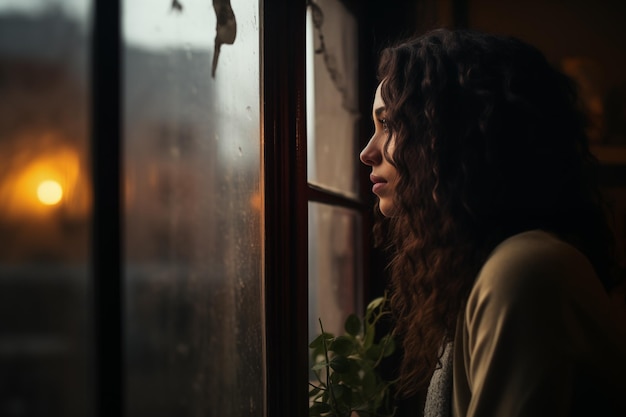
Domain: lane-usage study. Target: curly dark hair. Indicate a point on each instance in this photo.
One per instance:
(489, 142)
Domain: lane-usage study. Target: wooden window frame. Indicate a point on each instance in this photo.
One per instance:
(287, 194)
(107, 240)
(284, 161)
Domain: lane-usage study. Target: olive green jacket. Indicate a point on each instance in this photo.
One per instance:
(539, 336)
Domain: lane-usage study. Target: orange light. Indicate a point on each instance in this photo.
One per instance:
(49, 192)
(40, 179)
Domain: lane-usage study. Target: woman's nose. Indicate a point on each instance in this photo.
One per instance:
(371, 155)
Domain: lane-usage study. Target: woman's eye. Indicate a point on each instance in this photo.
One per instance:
(385, 125)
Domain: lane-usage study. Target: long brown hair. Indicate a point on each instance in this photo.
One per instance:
(489, 142)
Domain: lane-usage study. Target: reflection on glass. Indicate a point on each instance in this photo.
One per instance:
(193, 213)
(44, 210)
(334, 270)
(332, 96)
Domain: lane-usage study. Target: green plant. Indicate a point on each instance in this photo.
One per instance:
(347, 371)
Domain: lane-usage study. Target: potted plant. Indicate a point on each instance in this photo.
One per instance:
(348, 380)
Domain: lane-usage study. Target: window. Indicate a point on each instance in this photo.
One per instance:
(335, 213)
(45, 210)
(193, 210)
(163, 225)
(154, 307)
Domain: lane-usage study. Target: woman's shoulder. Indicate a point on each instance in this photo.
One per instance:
(532, 263)
(538, 311)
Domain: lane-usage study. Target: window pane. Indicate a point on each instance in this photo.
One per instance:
(44, 209)
(193, 210)
(332, 97)
(334, 267)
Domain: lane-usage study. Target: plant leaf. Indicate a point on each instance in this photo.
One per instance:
(374, 352)
(369, 383)
(375, 303)
(319, 340)
(318, 408)
(339, 391)
(351, 377)
(319, 366)
(370, 333)
(314, 391)
(342, 345)
(388, 344)
(353, 325)
(340, 364)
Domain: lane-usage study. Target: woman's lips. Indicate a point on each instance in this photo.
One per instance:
(377, 186)
(379, 183)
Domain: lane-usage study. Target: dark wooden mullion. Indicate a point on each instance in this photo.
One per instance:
(322, 195)
(106, 160)
(286, 266)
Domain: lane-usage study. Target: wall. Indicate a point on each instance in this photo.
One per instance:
(586, 40)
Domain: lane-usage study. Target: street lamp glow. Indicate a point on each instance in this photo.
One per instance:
(49, 192)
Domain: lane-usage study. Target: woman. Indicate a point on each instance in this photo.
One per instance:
(502, 261)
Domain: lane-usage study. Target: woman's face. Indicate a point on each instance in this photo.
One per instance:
(384, 174)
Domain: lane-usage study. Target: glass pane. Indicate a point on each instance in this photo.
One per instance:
(335, 274)
(45, 213)
(193, 210)
(332, 97)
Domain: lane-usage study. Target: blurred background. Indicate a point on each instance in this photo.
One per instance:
(193, 183)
